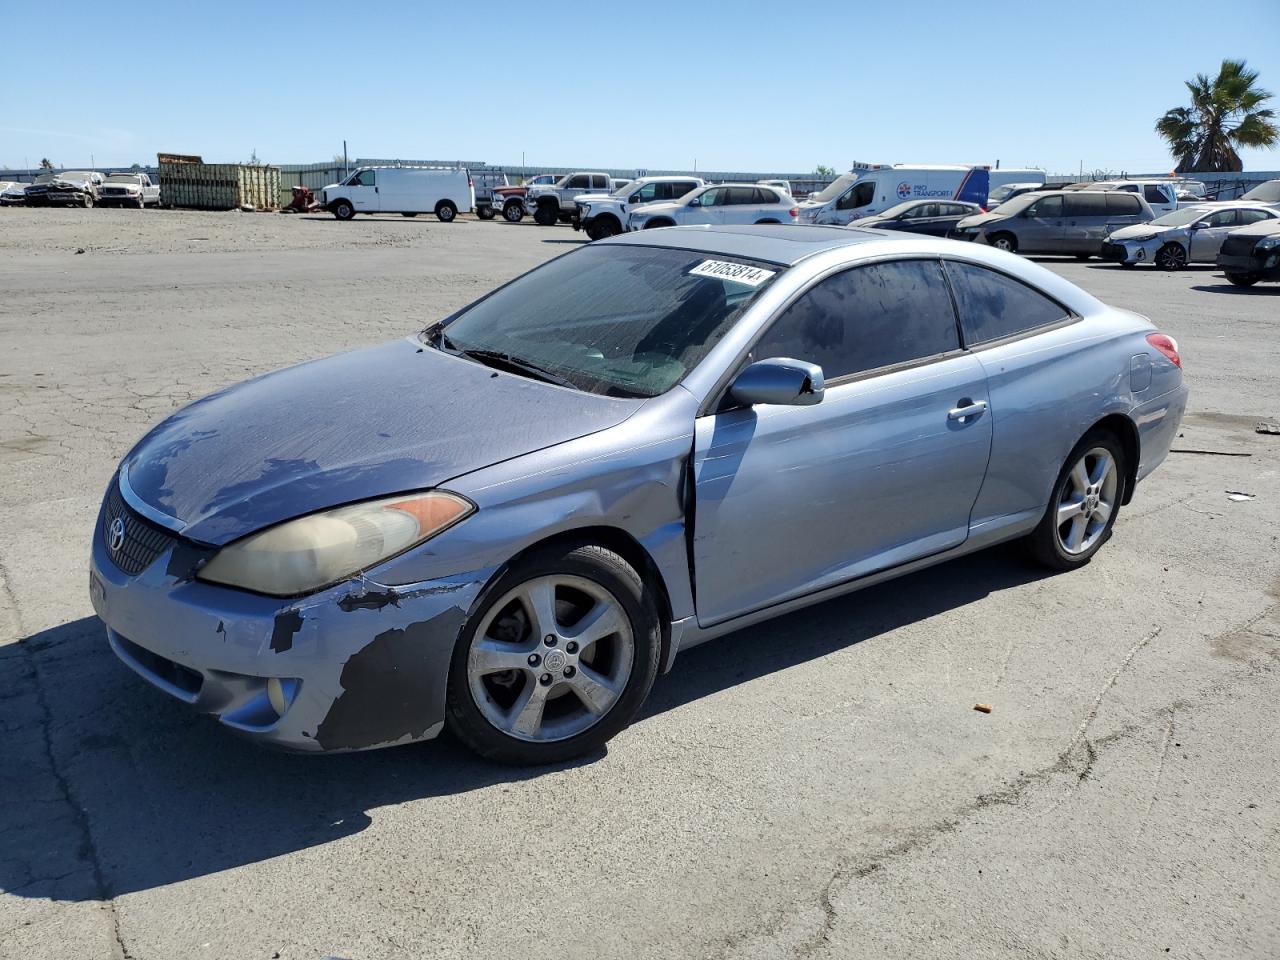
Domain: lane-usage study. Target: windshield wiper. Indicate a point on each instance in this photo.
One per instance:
(497, 358)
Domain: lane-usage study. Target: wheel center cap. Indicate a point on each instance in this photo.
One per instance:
(555, 660)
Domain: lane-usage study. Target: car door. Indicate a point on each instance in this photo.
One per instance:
(1040, 229)
(793, 499)
(1123, 210)
(1085, 222)
(1208, 232)
(950, 214)
(362, 191)
(710, 208)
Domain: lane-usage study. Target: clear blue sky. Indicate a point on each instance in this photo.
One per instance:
(744, 86)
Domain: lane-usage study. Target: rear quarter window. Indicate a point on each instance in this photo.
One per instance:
(994, 306)
(1123, 205)
(1085, 205)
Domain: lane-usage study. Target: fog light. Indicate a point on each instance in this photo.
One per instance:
(281, 691)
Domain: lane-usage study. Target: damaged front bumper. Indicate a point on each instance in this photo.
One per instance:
(356, 666)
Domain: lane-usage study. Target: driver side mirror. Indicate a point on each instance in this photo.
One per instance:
(1199, 225)
(634, 198)
(779, 380)
(695, 202)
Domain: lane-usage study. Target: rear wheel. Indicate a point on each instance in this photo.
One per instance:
(1084, 505)
(343, 210)
(513, 211)
(557, 659)
(408, 214)
(1005, 241)
(485, 213)
(1171, 257)
(446, 212)
(1243, 279)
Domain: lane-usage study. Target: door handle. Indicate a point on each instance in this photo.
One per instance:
(967, 408)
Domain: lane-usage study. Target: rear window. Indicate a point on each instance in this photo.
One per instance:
(1153, 194)
(1123, 204)
(994, 306)
(1085, 205)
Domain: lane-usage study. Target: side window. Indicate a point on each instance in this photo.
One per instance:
(679, 189)
(926, 210)
(1085, 205)
(365, 178)
(765, 195)
(580, 182)
(714, 197)
(1048, 208)
(1153, 194)
(994, 306)
(858, 196)
(1253, 216)
(741, 195)
(1123, 205)
(1223, 218)
(650, 191)
(601, 183)
(866, 318)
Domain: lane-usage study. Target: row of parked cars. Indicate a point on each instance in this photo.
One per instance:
(82, 188)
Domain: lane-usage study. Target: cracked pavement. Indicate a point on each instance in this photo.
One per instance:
(817, 786)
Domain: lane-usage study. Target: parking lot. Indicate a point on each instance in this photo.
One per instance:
(816, 786)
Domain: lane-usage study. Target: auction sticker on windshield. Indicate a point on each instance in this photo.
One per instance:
(737, 272)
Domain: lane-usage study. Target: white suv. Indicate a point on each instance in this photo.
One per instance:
(603, 216)
(723, 203)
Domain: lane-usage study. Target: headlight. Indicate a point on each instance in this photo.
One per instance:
(1142, 239)
(302, 555)
(1268, 243)
(586, 209)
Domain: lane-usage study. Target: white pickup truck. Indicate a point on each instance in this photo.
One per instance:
(556, 203)
(128, 190)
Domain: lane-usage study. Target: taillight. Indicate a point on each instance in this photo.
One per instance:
(470, 183)
(1166, 345)
(795, 212)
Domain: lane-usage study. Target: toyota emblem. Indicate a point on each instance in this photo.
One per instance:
(115, 535)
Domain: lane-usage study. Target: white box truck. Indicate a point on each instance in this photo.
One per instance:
(408, 191)
(873, 187)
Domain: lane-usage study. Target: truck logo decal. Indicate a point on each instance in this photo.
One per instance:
(736, 272)
(904, 190)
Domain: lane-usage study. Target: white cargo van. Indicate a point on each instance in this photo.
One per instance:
(870, 188)
(405, 190)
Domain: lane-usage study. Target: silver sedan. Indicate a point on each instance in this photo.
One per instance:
(1188, 235)
(511, 523)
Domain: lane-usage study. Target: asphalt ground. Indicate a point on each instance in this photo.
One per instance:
(816, 786)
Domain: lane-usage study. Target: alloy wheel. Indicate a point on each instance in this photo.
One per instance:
(551, 658)
(1088, 501)
(1171, 257)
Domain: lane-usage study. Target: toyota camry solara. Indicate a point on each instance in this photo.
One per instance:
(511, 522)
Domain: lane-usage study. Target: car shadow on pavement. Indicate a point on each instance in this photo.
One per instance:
(1232, 290)
(110, 787)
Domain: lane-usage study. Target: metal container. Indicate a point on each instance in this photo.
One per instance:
(188, 182)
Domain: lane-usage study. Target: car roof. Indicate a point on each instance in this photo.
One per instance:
(783, 244)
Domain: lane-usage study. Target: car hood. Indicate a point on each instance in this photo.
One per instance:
(1142, 230)
(1263, 228)
(364, 424)
(592, 197)
(661, 206)
(980, 219)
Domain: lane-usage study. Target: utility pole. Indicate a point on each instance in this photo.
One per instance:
(346, 166)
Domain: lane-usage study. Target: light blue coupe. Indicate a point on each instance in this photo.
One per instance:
(510, 523)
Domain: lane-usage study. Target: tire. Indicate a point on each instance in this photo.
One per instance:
(446, 211)
(513, 211)
(1243, 279)
(653, 224)
(1098, 488)
(759, 222)
(486, 213)
(1005, 241)
(604, 227)
(1171, 257)
(483, 692)
(546, 215)
(408, 214)
(1084, 256)
(343, 210)
(1127, 264)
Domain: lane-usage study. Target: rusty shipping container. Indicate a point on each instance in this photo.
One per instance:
(217, 186)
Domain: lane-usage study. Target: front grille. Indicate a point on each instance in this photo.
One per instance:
(1238, 246)
(1113, 251)
(143, 540)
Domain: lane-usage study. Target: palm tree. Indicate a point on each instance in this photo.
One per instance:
(1226, 112)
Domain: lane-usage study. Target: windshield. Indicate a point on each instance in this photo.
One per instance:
(617, 320)
(1180, 218)
(834, 189)
(897, 210)
(1268, 192)
(1017, 204)
(123, 178)
(623, 191)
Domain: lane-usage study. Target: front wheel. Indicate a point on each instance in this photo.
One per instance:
(446, 212)
(1243, 279)
(558, 657)
(1084, 505)
(1171, 257)
(546, 215)
(604, 227)
(1005, 241)
(343, 210)
(513, 212)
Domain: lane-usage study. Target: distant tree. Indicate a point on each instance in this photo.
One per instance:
(1226, 112)
(136, 166)
(822, 170)
(46, 164)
